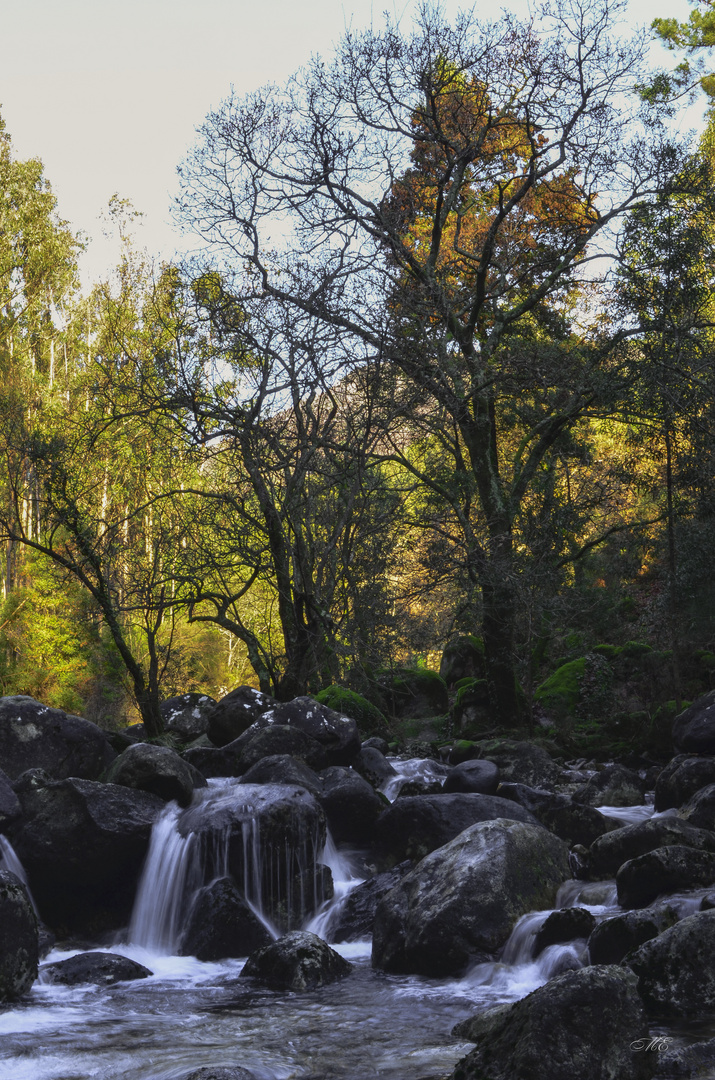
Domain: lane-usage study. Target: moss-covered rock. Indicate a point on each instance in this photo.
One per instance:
(416, 693)
(471, 712)
(369, 719)
(463, 657)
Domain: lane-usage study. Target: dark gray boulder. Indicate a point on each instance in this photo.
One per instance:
(699, 810)
(521, 762)
(373, 766)
(613, 938)
(461, 902)
(34, 736)
(187, 715)
(234, 713)
(613, 786)
(352, 806)
(415, 825)
(356, 917)
(335, 733)
(221, 924)
(694, 728)
(10, 808)
(263, 740)
(158, 770)
(283, 769)
(297, 961)
(377, 743)
(211, 761)
(220, 1072)
(676, 970)
(664, 870)
(83, 845)
(694, 1062)
(93, 967)
(575, 823)
(481, 777)
(681, 778)
(568, 924)
(581, 1024)
(462, 658)
(19, 939)
(611, 850)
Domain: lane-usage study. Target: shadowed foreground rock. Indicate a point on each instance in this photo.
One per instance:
(158, 770)
(581, 1024)
(297, 961)
(34, 736)
(676, 970)
(19, 939)
(94, 967)
(221, 924)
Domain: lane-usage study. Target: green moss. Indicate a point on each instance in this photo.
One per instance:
(366, 715)
(559, 694)
(611, 652)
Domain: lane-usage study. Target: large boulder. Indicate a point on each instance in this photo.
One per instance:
(613, 849)
(694, 729)
(520, 762)
(263, 740)
(614, 938)
(613, 786)
(221, 924)
(480, 777)
(372, 764)
(461, 902)
(10, 808)
(414, 693)
(156, 769)
(415, 825)
(34, 736)
(19, 939)
(573, 822)
(83, 844)
(335, 733)
(664, 870)
(676, 970)
(297, 961)
(351, 805)
(462, 658)
(681, 778)
(187, 715)
(283, 769)
(93, 967)
(584, 1024)
(699, 810)
(234, 713)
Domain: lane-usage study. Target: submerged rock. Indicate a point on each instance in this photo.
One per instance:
(676, 970)
(221, 924)
(461, 902)
(34, 736)
(19, 939)
(93, 967)
(297, 961)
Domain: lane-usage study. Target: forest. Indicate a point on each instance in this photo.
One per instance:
(436, 389)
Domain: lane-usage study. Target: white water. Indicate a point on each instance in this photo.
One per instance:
(9, 861)
(424, 769)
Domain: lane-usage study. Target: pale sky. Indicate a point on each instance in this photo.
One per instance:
(108, 93)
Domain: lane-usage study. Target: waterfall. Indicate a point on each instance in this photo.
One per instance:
(344, 881)
(9, 861)
(426, 770)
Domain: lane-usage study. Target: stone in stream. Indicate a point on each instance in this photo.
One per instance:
(234, 713)
(221, 924)
(481, 777)
(612, 939)
(575, 823)
(613, 786)
(676, 970)
(93, 967)
(699, 810)
(520, 762)
(158, 770)
(335, 733)
(461, 902)
(220, 1072)
(187, 715)
(297, 961)
(588, 1024)
(694, 728)
(19, 939)
(611, 850)
(283, 769)
(34, 736)
(373, 766)
(681, 778)
(351, 805)
(665, 870)
(562, 926)
(356, 917)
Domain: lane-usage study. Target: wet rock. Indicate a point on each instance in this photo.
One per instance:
(351, 805)
(33, 735)
(461, 902)
(187, 715)
(676, 970)
(297, 961)
(356, 917)
(521, 762)
(573, 822)
(19, 939)
(234, 713)
(562, 926)
(416, 825)
(415, 693)
(613, 938)
(582, 1023)
(283, 769)
(611, 850)
(211, 761)
(267, 739)
(158, 770)
(695, 1062)
(664, 870)
(9, 805)
(336, 734)
(377, 743)
(481, 777)
(613, 786)
(699, 810)
(694, 728)
(221, 924)
(220, 1072)
(93, 967)
(83, 844)
(373, 766)
(681, 778)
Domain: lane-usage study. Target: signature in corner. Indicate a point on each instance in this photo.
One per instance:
(656, 1042)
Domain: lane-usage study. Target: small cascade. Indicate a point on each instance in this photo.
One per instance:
(9, 861)
(345, 880)
(426, 770)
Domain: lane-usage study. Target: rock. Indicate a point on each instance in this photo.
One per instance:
(699, 810)
(521, 762)
(613, 938)
(234, 713)
(481, 777)
(676, 970)
(220, 1072)
(378, 744)
(581, 1024)
(694, 1062)
(664, 870)
(415, 693)
(611, 850)
(335, 733)
(355, 919)
(373, 766)
(369, 719)
(471, 711)
(562, 926)
(10, 808)
(681, 778)
(283, 769)
(221, 924)
(93, 967)
(156, 769)
(33, 736)
(297, 961)
(573, 822)
(613, 786)
(351, 806)
(83, 844)
(416, 825)
(187, 715)
(461, 902)
(266, 740)
(694, 728)
(211, 761)
(19, 939)
(462, 658)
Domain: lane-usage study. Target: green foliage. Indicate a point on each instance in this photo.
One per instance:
(559, 694)
(367, 716)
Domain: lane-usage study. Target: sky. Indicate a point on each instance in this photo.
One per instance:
(109, 93)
